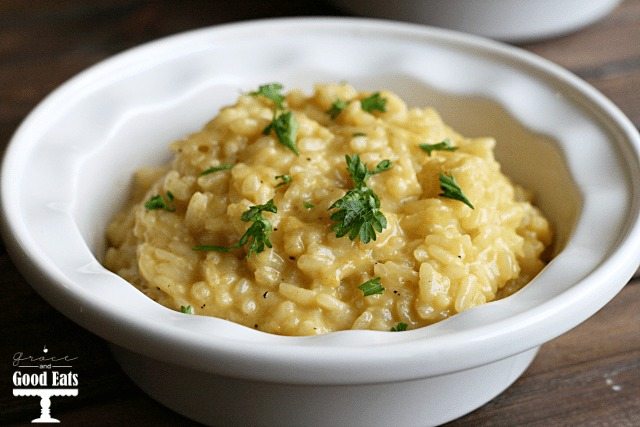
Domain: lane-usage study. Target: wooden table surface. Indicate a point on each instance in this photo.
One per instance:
(589, 376)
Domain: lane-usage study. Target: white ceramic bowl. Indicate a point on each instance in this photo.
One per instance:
(507, 20)
(67, 170)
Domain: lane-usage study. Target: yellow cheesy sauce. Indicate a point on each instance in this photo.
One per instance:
(435, 257)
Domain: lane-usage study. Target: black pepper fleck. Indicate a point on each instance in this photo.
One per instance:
(255, 326)
(265, 294)
(292, 258)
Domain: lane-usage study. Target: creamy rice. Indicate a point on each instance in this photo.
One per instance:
(435, 258)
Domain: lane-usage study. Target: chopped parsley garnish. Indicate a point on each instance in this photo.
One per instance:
(374, 102)
(359, 171)
(358, 134)
(256, 236)
(285, 127)
(212, 169)
(451, 189)
(358, 211)
(186, 309)
(308, 205)
(258, 233)
(158, 202)
(286, 179)
(444, 145)
(271, 91)
(215, 248)
(371, 287)
(336, 108)
(401, 326)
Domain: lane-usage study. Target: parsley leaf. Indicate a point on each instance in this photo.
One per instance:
(308, 205)
(358, 211)
(256, 236)
(158, 202)
(358, 134)
(212, 169)
(371, 287)
(271, 91)
(336, 108)
(452, 190)
(286, 179)
(444, 145)
(186, 309)
(373, 103)
(256, 211)
(285, 127)
(358, 215)
(359, 171)
(399, 327)
(214, 248)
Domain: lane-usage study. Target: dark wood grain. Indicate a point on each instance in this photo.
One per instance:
(589, 376)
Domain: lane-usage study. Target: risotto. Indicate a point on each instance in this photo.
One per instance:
(301, 215)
